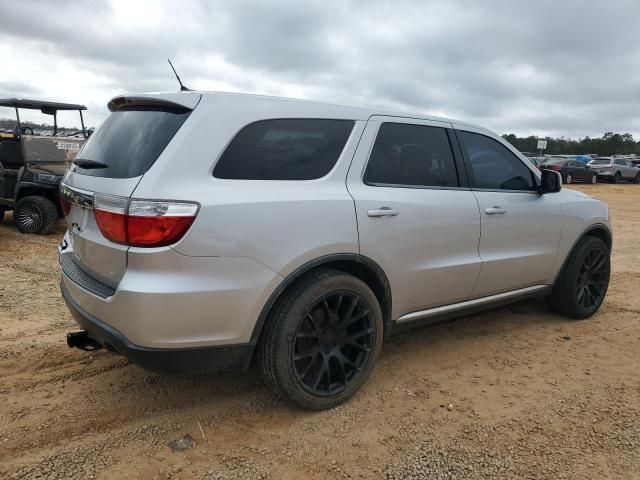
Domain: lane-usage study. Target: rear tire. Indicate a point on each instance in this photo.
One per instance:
(322, 340)
(35, 215)
(617, 177)
(594, 179)
(568, 179)
(582, 285)
(2, 210)
(637, 178)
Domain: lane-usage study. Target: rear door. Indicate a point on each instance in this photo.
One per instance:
(112, 162)
(520, 227)
(416, 217)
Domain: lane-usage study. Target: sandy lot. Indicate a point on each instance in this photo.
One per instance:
(514, 393)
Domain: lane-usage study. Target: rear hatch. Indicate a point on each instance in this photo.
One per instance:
(112, 162)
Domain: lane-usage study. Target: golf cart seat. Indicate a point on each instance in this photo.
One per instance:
(11, 156)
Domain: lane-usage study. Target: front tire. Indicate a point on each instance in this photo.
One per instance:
(322, 340)
(617, 177)
(637, 178)
(2, 214)
(582, 285)
(35, 215)
(594, 178)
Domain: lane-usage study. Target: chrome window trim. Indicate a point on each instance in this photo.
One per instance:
(77, 196)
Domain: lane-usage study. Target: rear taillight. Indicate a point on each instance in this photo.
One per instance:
(607, 168)
(143, 223)
(111, 216)
(557, 168)
(65, 205)
(156, 224)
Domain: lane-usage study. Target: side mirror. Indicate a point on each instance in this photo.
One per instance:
(550, 182)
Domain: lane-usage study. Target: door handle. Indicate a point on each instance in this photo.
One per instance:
(383, 212)
(495, 211)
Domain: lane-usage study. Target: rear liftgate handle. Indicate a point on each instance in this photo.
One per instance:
(382, 212)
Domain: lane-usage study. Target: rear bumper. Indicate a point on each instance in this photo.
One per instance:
(161, 360)
(166, 300)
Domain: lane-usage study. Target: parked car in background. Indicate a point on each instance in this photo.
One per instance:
(615, 170)
(537, 161)
(571, 170)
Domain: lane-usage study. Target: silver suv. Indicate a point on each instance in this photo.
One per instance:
(615, 170)
(207, 230)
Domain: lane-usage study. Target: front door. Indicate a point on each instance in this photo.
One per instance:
(415, 217)
(520, 228)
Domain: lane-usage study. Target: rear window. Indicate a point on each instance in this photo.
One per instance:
(130, 141)
(604, 161)
(284, 149)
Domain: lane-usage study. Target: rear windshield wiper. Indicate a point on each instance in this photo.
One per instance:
(85, 163)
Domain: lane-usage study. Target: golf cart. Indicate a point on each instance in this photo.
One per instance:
(32, 163)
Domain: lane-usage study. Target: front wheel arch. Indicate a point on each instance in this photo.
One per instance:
(597, 230)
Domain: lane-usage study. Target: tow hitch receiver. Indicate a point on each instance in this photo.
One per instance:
(83, 341)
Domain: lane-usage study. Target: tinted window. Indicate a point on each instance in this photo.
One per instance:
(494, 166)
(411, 155)
(286, 149)
(557, 161)
(619, 162)
(130, 141)
(604, 161)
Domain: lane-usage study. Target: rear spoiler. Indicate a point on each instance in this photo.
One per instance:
(181, 101)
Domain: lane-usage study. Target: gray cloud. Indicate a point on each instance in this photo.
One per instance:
(563, 68)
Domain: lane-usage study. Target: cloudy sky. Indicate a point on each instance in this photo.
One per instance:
(530, 67)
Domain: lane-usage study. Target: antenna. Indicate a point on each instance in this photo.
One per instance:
(182, 87)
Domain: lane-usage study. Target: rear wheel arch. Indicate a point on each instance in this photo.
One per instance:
(354, 264)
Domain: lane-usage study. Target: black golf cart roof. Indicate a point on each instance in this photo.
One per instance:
(38, 104)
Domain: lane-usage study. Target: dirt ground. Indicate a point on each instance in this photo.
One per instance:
(514, 393)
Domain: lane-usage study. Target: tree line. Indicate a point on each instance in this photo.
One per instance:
(9, 124)
(609, 144)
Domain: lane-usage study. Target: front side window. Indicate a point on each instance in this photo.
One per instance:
(284, 149)
(411, 155)
(493, 166)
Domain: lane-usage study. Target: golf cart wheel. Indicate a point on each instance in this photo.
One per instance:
(322, 340)
(35, 215)
(568, 179)
(594, 178)
(582, 285)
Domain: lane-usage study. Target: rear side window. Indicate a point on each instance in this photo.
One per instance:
(493, 166)
(130, 141)
(284, 149)
(411, 155)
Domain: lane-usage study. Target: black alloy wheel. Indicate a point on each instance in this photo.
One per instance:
(582, 285)
(29, 218)
(35, 214)
(321, 340)
(593, 279)
(333, 343)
